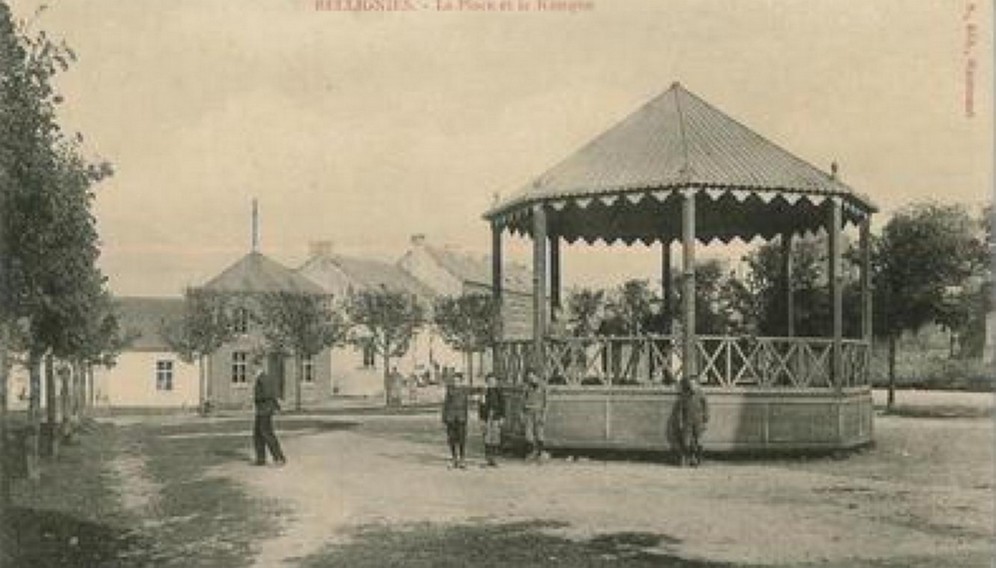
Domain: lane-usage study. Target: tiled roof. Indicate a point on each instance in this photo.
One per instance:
(678, 139)
(142, 319)
(367, 274)
(477, 269)
(255, 273)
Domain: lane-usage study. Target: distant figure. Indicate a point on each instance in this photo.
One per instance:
(455, 418)
(394, 387)
(534, 414)
(693, 415)
(492, 414)
(267, 403)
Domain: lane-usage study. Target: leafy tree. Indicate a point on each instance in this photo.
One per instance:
(924, 251)
(467, 323)
(48, 239)
(628, 309)
(385, 320)
(585, 311)
(206, 325)
(301, 325)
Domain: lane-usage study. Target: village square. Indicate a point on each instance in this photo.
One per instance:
(326, 284)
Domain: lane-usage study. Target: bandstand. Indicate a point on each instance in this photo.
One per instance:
(678, 170)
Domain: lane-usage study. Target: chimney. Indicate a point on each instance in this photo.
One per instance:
(418, 239)
(321, 248)
(255, 225)
(833, 170)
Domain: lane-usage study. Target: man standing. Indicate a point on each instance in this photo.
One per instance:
(492, 412)
(455, 418)
(534, 414)
(693, 415)
(263, 436)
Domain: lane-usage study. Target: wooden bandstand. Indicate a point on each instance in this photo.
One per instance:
(678, 170)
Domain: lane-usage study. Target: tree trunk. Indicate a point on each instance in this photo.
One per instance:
(891, 399)
(298, 380)
(470, 368)
(77, 395)
(64, 402)
(387, 379)
(51, 409)
(5, 465)
(34, 416)
(202, 398)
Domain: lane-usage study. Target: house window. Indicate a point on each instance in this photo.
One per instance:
(308, 370)
(164, 375)
(369, 356)
(241, 323)
(240, 370)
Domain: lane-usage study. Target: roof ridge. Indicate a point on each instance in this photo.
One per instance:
(686, 169)
(751, 132)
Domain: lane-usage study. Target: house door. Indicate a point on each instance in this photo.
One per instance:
(275, 368)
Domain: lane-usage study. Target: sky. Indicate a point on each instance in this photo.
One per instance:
(364, 128)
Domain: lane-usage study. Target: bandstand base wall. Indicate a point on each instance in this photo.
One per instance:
(740, 421)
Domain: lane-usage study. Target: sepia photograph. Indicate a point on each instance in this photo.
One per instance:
(497, 283)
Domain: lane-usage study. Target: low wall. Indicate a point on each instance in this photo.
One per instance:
(740, 420)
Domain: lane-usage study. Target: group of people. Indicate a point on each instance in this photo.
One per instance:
(692, 414)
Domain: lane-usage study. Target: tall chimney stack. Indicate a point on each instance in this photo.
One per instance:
(255, 225)
(833, 170)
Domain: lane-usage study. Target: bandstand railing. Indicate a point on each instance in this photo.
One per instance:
(722, 361)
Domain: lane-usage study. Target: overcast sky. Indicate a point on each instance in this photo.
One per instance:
(364, 128)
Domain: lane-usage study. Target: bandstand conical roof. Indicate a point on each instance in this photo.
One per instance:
(626, 184)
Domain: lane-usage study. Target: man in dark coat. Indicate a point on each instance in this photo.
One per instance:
(693, 415)
(492, 412)
(455, 418)
(534, 407)
(267, 403)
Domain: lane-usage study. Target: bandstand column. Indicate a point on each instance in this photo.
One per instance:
(689, 363)
(555, 274)
(787, 284)
(836, 293)
(866, 293)
(539, 285)
(497, 285)
(668, 290)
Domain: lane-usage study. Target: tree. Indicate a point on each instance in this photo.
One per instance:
(206, 325)
(48, 238)
(585, 311)
(629, 308)
(301, 325)
(385, 320)
(924, 251)
(467, 323)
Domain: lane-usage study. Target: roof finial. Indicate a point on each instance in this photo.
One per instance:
(255, 225)
(833, 169)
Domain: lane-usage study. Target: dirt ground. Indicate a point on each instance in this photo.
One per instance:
(369, 489)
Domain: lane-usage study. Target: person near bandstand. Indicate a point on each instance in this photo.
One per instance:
(492, 413)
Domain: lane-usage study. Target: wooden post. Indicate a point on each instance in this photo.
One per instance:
(787, 284)
(689, 365)
(668, 290)
(539, 286)
(836, 294)
(497, 285)
(866, 293)
(555, 275)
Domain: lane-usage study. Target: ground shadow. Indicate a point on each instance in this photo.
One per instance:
(937, 411)
(486, 544)
(39, 537)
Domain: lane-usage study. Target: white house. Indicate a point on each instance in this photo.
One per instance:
(147, 374)
(359, 371)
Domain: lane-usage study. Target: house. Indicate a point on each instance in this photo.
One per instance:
(229, 383)
(448, 271)
(357, 370)
(147, 374)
